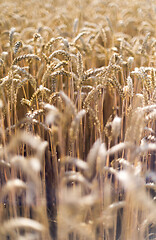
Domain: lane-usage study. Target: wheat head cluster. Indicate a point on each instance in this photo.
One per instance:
(77, 120)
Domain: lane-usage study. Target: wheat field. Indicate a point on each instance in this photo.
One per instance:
(78, 120)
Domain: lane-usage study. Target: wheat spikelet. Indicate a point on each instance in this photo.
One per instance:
(147, 109)
(92, 96)
(12, 185)
(60, 72)
(77, 162)
(54, 75)
(21, 223)
(79, 36)
(50, 71)
(91, 160)
(107, 215)
(144, 44)
(113, 82)
(107, 128)
(153, 80)
(54, 40)
(27, 57)
(18, 45)
(39, 94)
(26, 165)
(36, 36)
(29, 77)
(60, 64)
(53, 97)
(26, 102)
(150, 139)
(135, 129)
(97, 71)
(47, 72)
(53, 115)
(116, 126)
(130, 62)
(5, 81)
(119, 147)
(24, 137)
(151, 116)
(130, 86)
(93, 117)
(75, 25)
(147, 80)
(11, 36)
(44, 127)
(9, 84)
(80, 66)
(51, 42)
(76, 177)
(62, 53)
(35, 114)
(73, 131)
(46, 58)
(69, 104)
